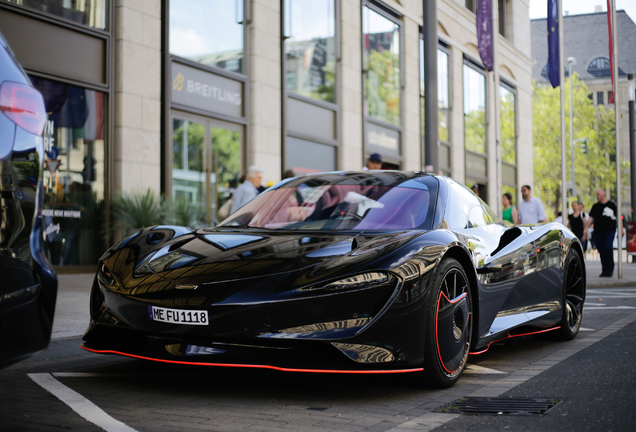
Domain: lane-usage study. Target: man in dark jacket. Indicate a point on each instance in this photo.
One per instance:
(603, 215)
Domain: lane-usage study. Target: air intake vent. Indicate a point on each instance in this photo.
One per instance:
(499, 406)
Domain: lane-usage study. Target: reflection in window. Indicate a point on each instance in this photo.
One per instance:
(310, 206)
(443, 95)
(310, 48)
(91, 13)
(474, 110)
(508, 125)
(226, 163)
(208, 32)
(381, 63)
(73, 177)
(188, 155)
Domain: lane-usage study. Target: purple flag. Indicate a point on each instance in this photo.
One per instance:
(484, 33)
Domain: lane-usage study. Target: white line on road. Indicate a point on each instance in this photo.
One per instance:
(79, 404)
(585, 329)
(608, 307)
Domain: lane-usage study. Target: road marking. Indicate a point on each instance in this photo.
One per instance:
(585, 329)
(594, 304)
(608, 307)
(480, 370)
(78, 403)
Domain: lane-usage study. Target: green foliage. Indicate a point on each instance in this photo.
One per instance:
(134, 211)
(595, 125)
(475, 131)
(508, 135)
(226, 145)
(382, 86)
(325, 90)
(185, 213)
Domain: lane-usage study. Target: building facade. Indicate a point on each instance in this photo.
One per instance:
(590, 51)
(181, 96)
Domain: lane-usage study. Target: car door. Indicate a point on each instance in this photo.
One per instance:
(503, 256)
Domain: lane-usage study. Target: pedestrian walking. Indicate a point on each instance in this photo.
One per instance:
(509, 213)
(248, 190)
(603, 215)
(576, 222)
(531, 210)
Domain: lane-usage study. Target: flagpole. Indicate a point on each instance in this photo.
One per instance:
(564, 202)
(619, 200)
(495, 78)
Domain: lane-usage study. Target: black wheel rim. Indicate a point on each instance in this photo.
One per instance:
(453, 323)
(574, 293)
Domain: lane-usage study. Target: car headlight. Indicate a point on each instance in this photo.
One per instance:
(105, 276)
(369, 280)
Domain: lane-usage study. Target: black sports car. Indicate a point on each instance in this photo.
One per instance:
(29, 286)
(346, 272)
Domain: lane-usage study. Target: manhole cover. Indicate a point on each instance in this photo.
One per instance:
(499, 406)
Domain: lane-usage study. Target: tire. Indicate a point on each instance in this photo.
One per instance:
(449, 325)
(574, 285)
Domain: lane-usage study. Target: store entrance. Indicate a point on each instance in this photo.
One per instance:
(206, 163)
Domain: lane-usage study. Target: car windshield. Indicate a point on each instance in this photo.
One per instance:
(316, 204)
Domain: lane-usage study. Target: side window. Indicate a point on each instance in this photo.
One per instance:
(476, 217)
(489, 216)
(458, 207)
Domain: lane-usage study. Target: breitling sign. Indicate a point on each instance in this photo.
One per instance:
(207, 91)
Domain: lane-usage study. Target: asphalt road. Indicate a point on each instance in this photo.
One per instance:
(65, 388)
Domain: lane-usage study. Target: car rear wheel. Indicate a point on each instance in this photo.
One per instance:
(573, 296)
(449, 325)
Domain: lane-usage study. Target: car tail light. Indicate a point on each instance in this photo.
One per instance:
(23, 105)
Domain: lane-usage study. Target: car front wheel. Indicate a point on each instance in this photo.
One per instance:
(449, 325)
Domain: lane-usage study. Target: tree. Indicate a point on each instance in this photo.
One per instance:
(593, 155)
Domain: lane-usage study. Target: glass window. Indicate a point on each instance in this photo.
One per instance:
(508, 125)
(91, 13)
(226, 164)
(599, 66)
(310, 48)
(188, 155)
(474, 110)
(74, 174)
(307, 157)
(599, 98)
(443, 94)
(502, 17)
(381, 63)
(471, 5)
(209, 32)
(360, 203)
(457, 209)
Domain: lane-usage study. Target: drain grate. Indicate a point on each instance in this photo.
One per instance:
(499, 406)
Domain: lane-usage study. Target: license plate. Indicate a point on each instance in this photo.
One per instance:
(178, 316)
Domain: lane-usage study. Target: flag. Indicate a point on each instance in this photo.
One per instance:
(610, 29)
(553, 43)
(484, 33)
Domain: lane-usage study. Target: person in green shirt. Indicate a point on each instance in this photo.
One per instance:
(509, 212)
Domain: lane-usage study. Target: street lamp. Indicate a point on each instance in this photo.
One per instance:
(571, 62)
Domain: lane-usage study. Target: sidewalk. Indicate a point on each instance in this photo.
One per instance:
(593, 267)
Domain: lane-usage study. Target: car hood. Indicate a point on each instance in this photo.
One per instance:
(157, 257)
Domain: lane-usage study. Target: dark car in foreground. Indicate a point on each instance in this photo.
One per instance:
(346, 272)
(28, 289)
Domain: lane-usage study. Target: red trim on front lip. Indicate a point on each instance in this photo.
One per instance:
(512, 336)
(252, 366)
